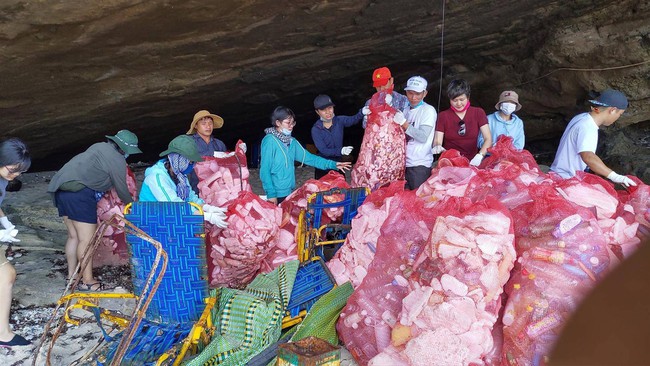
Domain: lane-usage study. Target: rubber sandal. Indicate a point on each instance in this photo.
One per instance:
(91, 287)
(15, 341)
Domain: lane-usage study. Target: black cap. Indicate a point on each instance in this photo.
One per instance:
(322, 101)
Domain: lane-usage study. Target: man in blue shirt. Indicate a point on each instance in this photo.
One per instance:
(327, 132)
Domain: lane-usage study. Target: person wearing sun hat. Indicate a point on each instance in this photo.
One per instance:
(505, 122)
(166, 180)
(577, 148)
(203, 125)
(78, 186)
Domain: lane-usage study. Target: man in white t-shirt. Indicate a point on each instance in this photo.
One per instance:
(577, 149)
(419, 125)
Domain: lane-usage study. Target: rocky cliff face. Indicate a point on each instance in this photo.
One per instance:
(72, 72)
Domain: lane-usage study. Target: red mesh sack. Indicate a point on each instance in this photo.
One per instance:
(504, 150)
(382, 157)
(285, 249)
(236, 253)
(452, 157)
(563, 253)
(113, 249)
(222, 178)
(351, 261)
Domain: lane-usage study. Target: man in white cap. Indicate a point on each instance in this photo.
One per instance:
(577, 149)
(419, 126)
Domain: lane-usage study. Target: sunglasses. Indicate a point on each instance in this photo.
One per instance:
(461, 128)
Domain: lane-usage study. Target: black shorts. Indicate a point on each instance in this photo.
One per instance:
(79, 206)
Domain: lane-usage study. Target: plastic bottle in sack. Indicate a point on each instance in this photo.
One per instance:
(382, 335)
(352, 320)
(509, 314)
(566, 225)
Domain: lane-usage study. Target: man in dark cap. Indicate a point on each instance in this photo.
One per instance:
(577, 149)
(327, 132)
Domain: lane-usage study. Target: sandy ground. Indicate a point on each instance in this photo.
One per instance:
(40, 263)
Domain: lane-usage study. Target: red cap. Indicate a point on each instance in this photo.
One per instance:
(380, 76)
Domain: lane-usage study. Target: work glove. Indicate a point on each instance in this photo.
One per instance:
(215, 215)
(365, 110)
(242, 146)
(389, 99)
(346, 150)
(437, 149)
(620, 179)
(399, 118)
(221, 154)
(9, 236)
(476, 160)
(4, 221)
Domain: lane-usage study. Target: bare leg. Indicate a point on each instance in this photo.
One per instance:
(71, 245)
(85, 233)
(7, 279)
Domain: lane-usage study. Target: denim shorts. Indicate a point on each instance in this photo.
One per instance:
(79, 206)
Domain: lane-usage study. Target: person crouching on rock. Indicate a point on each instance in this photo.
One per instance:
(280, 150)
(77, 188)
(167, 181)
(14, 160)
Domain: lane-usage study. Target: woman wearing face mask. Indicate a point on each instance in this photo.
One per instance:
(459, 126)
(78, 186)
(280, 150)
(167, 180)
(505, 122)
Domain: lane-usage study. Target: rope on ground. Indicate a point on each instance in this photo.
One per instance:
(590, 69)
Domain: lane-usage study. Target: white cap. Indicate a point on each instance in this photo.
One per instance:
(417, 84)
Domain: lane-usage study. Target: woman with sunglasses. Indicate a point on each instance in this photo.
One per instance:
(280, 150)
(459, 126)
(14, 160)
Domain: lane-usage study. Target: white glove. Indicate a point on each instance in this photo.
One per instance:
(621, 179)
(476, 160)
(365, 110)
(346, 150)
(437, 149)
(242, 146)
(389, 99)
(6, 223)
(221, 154)
(9, 236)
(399, 118)
(215, 215)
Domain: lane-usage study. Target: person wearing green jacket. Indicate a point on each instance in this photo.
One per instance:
(280, 150)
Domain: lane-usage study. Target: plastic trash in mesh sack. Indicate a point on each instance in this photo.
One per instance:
(382, 157)
(562, 254)
(222, 178)
(114, 239)
(236, 252)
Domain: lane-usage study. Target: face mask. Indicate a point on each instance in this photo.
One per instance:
(507, 108)
(286, 132)
(189, 169)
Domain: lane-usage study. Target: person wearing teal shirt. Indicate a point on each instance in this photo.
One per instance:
(280, 150)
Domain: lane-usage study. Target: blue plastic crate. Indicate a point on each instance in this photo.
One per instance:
(313, 280)
(180, 296)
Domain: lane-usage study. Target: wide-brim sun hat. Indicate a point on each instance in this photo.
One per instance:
(127, 141)
(508, 96)
(185, 146)
(218, 121)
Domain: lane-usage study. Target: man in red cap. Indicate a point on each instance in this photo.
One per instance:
(382, 80)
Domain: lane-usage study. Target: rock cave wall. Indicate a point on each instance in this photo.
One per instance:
(72, 72)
